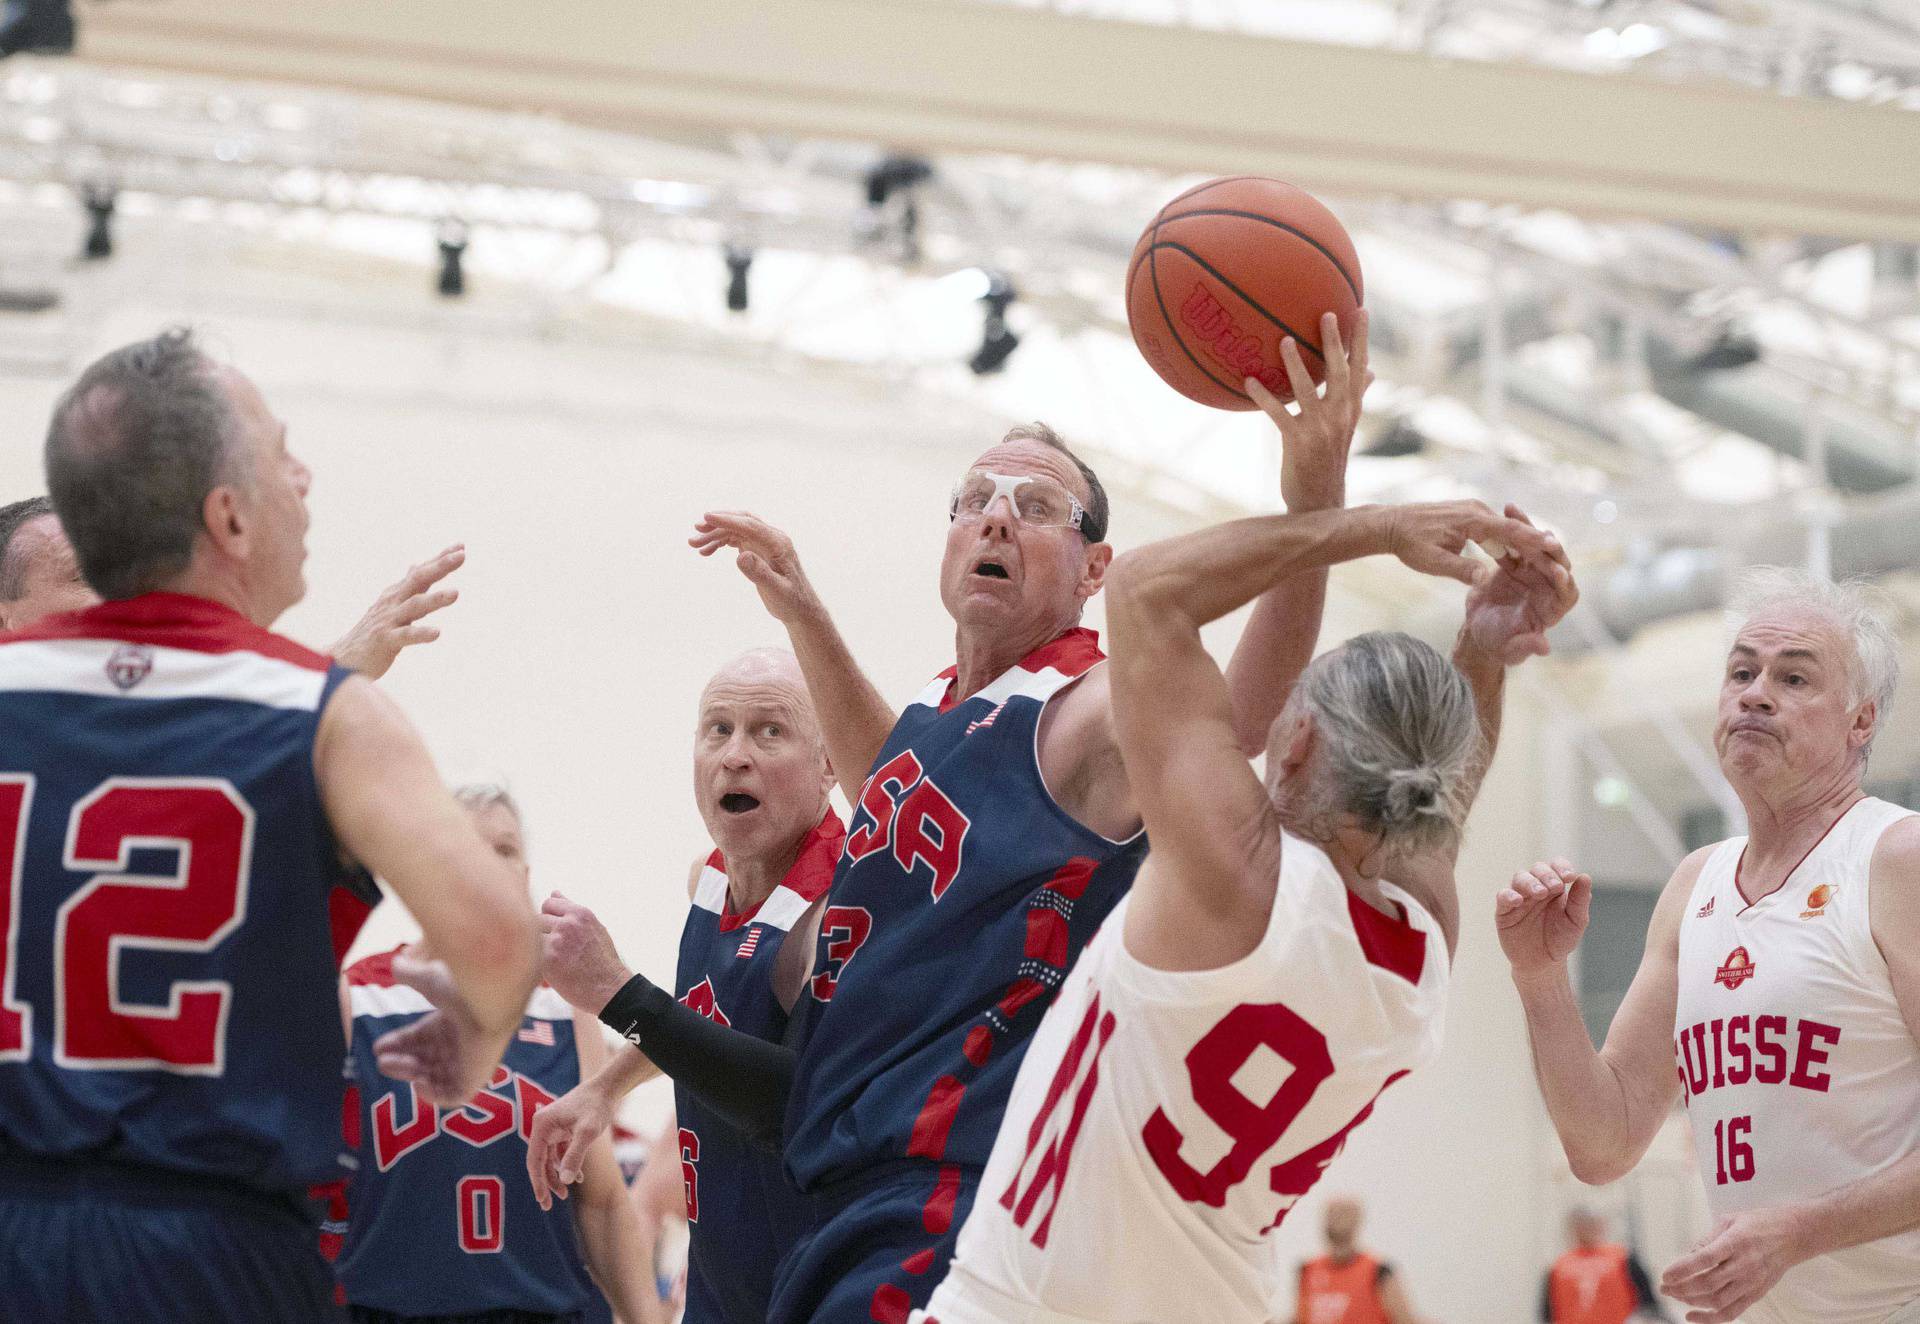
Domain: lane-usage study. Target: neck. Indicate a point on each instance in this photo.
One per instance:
(979, 659)
(1351, 848)
(216, 584)
(1786, 819)
(752, 878)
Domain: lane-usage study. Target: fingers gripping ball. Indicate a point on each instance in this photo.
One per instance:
(1227, 271)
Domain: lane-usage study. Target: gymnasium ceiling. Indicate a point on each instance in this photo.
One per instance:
(1647, 266)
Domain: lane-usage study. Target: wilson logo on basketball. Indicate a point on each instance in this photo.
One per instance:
(1737, 971)
(1817, 901)
(1214, 327)
(129, 665)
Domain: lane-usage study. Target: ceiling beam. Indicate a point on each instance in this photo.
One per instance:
(938, 76)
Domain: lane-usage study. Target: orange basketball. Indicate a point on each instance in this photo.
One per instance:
(1228, 270)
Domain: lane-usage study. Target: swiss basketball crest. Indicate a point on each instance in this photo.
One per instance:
(1737, 971)
(129, 665)
(1817, 901)
(700, 998)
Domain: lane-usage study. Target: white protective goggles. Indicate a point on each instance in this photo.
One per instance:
(1037, 502)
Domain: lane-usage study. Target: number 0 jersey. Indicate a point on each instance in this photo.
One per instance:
(963, 896)
(1164, 1122)
(1796, 1065)
(441, 1218)
(168, 984)
(742, 1213)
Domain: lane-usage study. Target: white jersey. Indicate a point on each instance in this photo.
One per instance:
(1796, 1066)
(1163, 1123)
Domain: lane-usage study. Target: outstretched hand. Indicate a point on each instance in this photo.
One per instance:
(1541, 915)
(1735, 1265)
(1432, 537)
(766, 558)
(446, 1052)
(392, 623)
(1510, 611)
(1317, 433)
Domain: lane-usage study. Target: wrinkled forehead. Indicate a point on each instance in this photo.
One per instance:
(1037, 460)
(759, 683)
(43, 540)
(1793, 628)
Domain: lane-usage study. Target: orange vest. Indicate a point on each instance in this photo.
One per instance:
(1591, 1286)
(1341, 1293)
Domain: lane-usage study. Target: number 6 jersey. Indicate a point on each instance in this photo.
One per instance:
(1164, 1122)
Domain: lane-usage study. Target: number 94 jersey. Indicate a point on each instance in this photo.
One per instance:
(1202, 1104)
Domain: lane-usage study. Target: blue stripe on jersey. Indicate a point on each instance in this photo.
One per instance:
(170, 868)
(441, 1218)
(964, 894)
(742, 1213)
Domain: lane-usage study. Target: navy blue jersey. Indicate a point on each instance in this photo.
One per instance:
(441, 1218)
(963, 895)
(167, 975)
(742, 1213)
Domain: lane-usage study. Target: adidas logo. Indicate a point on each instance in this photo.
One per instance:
(1705, 910)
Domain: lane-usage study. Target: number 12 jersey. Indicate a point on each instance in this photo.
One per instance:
(1200, 1105)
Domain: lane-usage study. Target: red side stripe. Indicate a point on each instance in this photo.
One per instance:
(937, 1217)
(891, 1305)
(979, 1045)
(1024, 990)
(930, 1128)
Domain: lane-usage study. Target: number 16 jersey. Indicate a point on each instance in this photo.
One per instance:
(1201, 1105)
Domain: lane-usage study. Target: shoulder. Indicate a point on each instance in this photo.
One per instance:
(1893, 877)
(1897, 853)
(1672, 905)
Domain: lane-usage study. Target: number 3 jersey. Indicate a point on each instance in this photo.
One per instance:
(1164, 1122)
(1797, 1068)
(168, 980)
(441, 1218)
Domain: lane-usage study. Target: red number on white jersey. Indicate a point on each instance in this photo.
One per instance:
(1733, 1157)
(1050, 1173)
(482, 1203)
(1253, 1127)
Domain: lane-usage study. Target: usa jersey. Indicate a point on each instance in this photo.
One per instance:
(1796, 1066)
(441, 1217)
(742, 1212)
(963, 896)
(1164, 1122)
(168, 988)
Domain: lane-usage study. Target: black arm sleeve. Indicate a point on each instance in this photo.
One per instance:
(744, 1079)
(1643, 1288)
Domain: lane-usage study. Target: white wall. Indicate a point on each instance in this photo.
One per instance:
(573, 463)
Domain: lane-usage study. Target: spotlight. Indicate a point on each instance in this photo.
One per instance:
(452, 239)
(99, 200)
(739, 259)
(42, 26)
(997, 340)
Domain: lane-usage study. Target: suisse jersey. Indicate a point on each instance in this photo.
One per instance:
(168, 984)
(1796, 1066)
(964, 895)
(1201, 1105)
(742, 1212)
(440, 1216)
(1335, 1293)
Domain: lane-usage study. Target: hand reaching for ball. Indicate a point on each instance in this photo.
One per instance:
(1316, 435)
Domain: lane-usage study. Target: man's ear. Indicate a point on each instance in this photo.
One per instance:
(1297, 746)
(1865, 718)
(225, 519)
(1094, 577)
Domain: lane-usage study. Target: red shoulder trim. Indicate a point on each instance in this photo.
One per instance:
(375, 970)
(1071, 654)
(1389, 941)
(812, 871)
(172, 620)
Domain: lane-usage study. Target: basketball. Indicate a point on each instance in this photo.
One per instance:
(1227, 271)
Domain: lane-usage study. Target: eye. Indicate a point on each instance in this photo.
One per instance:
(1795, 678)
(1739, 673)
(771, 731)
(719, 729)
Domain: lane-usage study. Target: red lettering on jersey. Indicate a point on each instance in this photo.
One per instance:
(486, 1116)
(1693, 1066)
(1739, 1052)
(1253, 1127)
(1767, 1045)
(1298, 1175)
(690, 1172)
(528, 1099)
(700, 998)
(1051, 1171)
(391, 1143)
(1719, 1063)
(931, 829)
(1807, 1056)
(845, 928)
(877, 803)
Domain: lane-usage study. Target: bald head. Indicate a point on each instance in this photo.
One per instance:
(759, 759)
(39, 575)
(1343, 1217)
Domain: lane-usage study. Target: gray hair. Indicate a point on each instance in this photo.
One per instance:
(15, 516)
(132, 452)
(1398, 732)
(476, 796)
(1853, 605)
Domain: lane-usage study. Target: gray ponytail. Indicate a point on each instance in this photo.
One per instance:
(1397, 734)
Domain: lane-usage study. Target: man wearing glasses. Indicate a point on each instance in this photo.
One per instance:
(994, 828)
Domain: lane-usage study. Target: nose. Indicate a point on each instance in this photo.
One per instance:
(737, 756)
(1756, 697)
(302, 477)
(999, 518)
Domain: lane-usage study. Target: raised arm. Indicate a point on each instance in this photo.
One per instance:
(392, 623)
(852, 715)
(1201, 900)
(391, 813)
(1745, 1255)
(1279, 639)
(1606, 1105)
